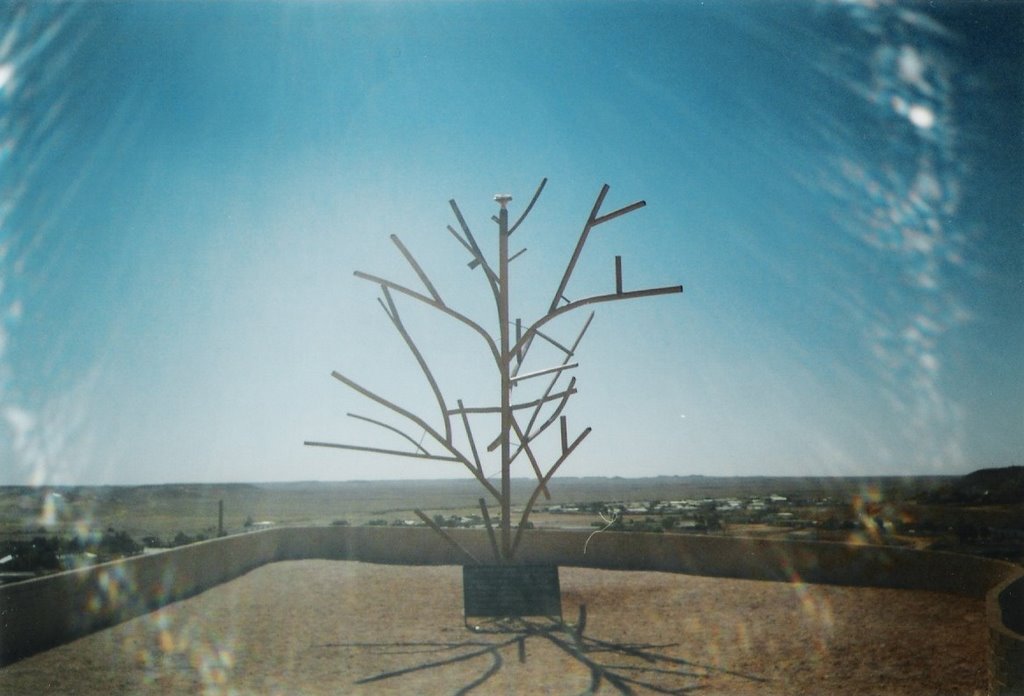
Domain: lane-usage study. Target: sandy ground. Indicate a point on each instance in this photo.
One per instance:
(323, 627)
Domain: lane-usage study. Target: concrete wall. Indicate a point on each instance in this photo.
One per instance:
(781, 561)
(1005, 607)
(41, 613)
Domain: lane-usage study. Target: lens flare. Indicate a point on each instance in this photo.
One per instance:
(897, 195)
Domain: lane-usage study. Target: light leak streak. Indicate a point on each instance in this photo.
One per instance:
(899, 202)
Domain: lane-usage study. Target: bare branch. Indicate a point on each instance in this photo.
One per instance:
(579, 337)
(479, 258)
(469, 434)
(593, 221)
(536, 491)
(529, 333)
(537, 407)
(423, 424)
(490, 527)
(525, 350)
(391, 428)
(416, 267)
(515, 407)
(378, 450)
(569, 352)
(524, 445)
(447, 537)
(551, 419)
(579, 247)
(444, 308)
(546, 371)
(526, 212)
(621, 211)
(462, 241)
(397, 321)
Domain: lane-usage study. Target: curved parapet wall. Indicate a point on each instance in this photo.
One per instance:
(41, 613)
(38, 614)
(1005, 608)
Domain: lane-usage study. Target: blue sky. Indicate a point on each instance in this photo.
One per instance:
(188, 187)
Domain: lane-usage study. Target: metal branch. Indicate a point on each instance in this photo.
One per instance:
(515, 407)
(419, 270)
(397, 321)
(547, 371)
(529, 333)
(579, 247)
(462, 241)
(579, 336)
(469, 434)
(508, 352)
(557, 412)
(553, 342)
(524, 445)
(490, 527)
(379, 450)
(447, 537)
(593, 221)
(520, 357)
(547, 477)
(474, 248)
(444, 308)
(392, 429)
(621, 211)
(544, 398)
(526, 212)
(423, 424)
(385, 308)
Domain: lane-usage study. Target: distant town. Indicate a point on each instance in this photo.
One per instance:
(50, 529)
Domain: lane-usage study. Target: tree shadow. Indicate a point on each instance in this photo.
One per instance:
(625, 667)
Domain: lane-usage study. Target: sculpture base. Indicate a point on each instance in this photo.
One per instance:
(511, 591)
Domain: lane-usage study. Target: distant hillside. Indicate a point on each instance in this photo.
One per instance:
(1002, 486)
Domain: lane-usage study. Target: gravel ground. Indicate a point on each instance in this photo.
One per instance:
(331, 627)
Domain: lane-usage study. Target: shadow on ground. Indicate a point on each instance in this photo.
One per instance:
(625, 667)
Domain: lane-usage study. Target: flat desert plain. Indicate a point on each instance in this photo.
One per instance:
(334, 627)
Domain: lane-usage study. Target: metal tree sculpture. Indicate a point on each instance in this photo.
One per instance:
(509, 354)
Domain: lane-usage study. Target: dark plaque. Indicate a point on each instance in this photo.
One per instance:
(511, 590)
